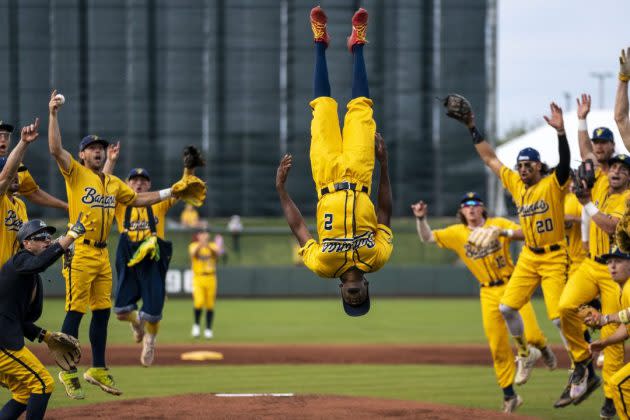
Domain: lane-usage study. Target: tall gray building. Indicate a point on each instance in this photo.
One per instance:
(235, 77)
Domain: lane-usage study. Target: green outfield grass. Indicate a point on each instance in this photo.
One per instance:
(391, 320)
(469, 386)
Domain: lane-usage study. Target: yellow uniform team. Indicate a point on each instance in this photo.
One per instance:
(203, 256)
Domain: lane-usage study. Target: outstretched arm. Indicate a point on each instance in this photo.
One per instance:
(617, 337)
(113, 151)
(28, 135)
(290, 210)
(63, 158)
(584, 140)
(604, 221)
(420, 210)
(384, 204)
(556, 120)
(621, 101)
(42, 198)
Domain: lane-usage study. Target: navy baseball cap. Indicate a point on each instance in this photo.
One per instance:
(615, 252)
(32, 227)
(528, 153)
(471, 198)
(603, 134)
(139, 172)
(621, 158)
(3, 162)
(91, 139)
(6, 127)
(360, 309)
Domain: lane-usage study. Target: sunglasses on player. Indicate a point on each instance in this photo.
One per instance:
(41, 237)
(525, 165)
(471, 203)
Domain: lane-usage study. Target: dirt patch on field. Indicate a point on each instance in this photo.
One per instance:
(241, 354)
(303, 406)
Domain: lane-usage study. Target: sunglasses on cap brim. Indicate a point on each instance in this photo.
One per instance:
(471, 203)
(45, 236)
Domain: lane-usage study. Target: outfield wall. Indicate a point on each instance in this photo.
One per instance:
(299, 281)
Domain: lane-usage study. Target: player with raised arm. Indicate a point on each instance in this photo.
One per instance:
(539, 201)
(491, 264)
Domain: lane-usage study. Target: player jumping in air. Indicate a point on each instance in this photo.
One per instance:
(354, 239)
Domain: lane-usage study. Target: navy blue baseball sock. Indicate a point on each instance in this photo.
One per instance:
(12, 410)
(71, 323)
(591, 369)
(36, 407)
(508, 392)
(359, 74)
(321, 85)
(197, 316)
(209, 318)
(98, 336)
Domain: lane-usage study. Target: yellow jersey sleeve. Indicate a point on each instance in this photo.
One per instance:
(310, 254)
(383, 240)
(27, 183)
(504, 223)
(510, 180)
(448, 238)
(125, 195)
(191, 248)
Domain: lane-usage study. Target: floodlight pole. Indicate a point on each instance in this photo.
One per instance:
(601, 77)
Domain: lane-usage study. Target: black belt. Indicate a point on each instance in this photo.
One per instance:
(553, 247)
(493, 283)
(340, 186)
(95, 244)
(600, 260)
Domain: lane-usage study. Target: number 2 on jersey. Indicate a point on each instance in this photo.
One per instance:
(328, 219)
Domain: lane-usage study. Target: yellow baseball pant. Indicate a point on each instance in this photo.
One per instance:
(549, 270)
(24, 374)
(574, 266)
(620, 385)
(88, 280)
(590, 280)
(334, 157)
(204, 291)
(499, 337)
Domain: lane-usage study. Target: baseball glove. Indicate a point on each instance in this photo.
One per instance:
(589, 315)
(482, 237)
(192, 159)
(584, 174)
(190, 189)
(149, 248)
(622, 232)
(64, 349)
(458, 108)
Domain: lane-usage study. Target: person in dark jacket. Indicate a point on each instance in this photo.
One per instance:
(21, 303)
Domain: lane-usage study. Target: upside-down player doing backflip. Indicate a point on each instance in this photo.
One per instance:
(354, 239)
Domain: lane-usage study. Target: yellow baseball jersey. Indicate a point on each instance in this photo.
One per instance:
(572, 207)
(540, 208)
(205, 263)
(189, 217)
(13, 216)
(139, 228)
(613, 205)
(486, 264)
(27, 183)
(96, 193)
(349, 236)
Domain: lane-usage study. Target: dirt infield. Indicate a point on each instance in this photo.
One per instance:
(241, 354)
(303, 406)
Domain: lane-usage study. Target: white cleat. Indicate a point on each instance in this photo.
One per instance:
(208, 333)
(549, 358)
(510, 405)
(148, 350)
(196, 331)
(525, 365)
(137, 330)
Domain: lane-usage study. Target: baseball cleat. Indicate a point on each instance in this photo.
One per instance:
(318, 25)
(608, 411)
(101, 378)
(208, 333)
(565, 398)
(579, 379)
(511, 404)
(196, 331)
(549, 358)
(359, 28)
(138, 330)
(525, 365)
(600, 361)
(70, 381)
(591, 385)
(148, 350)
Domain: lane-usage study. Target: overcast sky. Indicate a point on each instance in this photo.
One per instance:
(549, 47)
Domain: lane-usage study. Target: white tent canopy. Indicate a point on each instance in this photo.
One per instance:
(544, 140)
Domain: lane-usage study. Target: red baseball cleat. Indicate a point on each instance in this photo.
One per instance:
(359, 27)
(318, 25)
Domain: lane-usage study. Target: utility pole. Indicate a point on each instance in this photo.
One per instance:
(601, 77)
(567, 100)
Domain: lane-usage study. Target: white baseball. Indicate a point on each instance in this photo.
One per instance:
(62, 99)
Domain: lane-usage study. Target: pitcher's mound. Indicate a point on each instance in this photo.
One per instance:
(266, 407)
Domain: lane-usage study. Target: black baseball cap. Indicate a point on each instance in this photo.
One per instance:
(6, 127)
(615, 252)
(3, 162)
(32, 227)
(91, 139)
(603, 134)
(621, 158)
(139, 172)
(360, 309)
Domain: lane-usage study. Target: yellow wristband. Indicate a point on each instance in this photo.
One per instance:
(623, 77)
(73, 234)
(623, 316)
